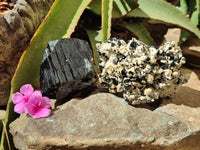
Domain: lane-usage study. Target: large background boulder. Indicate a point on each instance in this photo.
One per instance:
(16, 29)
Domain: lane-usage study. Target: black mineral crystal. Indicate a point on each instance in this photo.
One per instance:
(66, 67)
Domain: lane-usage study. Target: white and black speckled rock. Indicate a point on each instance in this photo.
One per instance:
(143, 73)
(67, 67)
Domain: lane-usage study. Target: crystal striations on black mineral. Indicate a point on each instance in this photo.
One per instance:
(66, 67)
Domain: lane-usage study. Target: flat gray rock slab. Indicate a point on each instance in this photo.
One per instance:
(104, 121)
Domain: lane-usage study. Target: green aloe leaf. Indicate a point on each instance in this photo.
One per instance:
(123, 7)
(184, 6)
(120, 7)
(106, 18)
(194, 10)
(62, 17)
(141, 32)
(196, 66)
(163, 11)
(184, 35)
(95, 37)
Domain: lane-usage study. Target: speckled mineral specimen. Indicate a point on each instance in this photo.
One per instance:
(143, 73)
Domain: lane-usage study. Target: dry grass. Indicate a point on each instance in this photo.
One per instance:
(5, 130)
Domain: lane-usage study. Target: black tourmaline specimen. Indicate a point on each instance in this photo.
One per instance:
(66, 67)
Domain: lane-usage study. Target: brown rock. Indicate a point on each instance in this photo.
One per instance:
(191, 50)
(16, 28)
(193, 82)
(188, 115)
(104, 121)
(173, 34)
(4, 87)
(189, 93)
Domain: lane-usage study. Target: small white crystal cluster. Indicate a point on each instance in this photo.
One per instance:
(143, 73)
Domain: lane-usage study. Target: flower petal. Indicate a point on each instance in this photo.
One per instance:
(41, 113)
(45, 103)
(17, 98)
(19, 108)
(30, 109)
(27, 90)
(35, 98)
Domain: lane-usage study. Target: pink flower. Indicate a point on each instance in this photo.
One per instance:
(38, 106)
(31, 102)
(20, 99)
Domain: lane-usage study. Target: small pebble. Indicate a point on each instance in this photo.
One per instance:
(2, 117)
(2, 114)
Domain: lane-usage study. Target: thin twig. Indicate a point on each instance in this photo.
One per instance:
(3, 148)
(4, 128)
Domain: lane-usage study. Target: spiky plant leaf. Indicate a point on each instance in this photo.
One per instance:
(95, 37)
(184, 6)
(120, 7)
(194, 15)
(141, 32)
(123, 7)
(106, 18)
(163, 11)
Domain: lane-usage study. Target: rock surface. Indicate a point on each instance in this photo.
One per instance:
(2, 116)
(104, 121)
(189, 93)
(191, 50)
(66, 67)
(16, 28)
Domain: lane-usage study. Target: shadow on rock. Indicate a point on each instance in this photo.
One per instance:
(185, 96)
